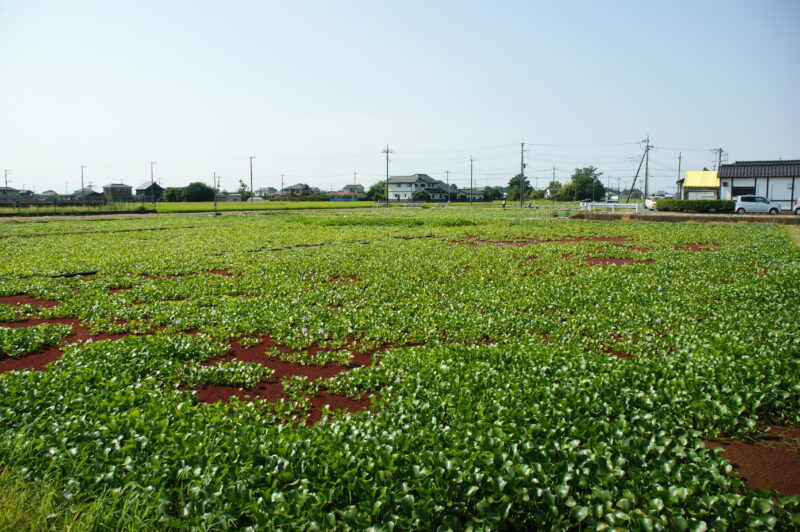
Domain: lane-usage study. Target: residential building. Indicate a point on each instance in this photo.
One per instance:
(87, 195)
(269, 192)
(402, 188)
(296, 191)
(473, 194)
(698, 185)
(149, 191)
(9, 194)
(355, 191)
(118, 192)
(777, 180)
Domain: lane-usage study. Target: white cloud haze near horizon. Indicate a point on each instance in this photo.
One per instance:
(315, 90)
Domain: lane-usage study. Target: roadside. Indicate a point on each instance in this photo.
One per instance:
(781, 219)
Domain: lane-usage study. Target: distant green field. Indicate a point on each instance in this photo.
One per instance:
(207, 206)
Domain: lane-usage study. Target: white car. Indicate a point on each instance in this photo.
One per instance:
(796, 207)
(749, 203)
(650, 202)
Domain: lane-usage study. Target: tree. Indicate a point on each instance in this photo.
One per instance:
(492, 193)
(243, 191)
(636, 194)
(377, 192)
(173, 194)
(585, 185)
(513, 188)
(421, 195)
(198, 191)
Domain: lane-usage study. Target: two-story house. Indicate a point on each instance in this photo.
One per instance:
(402, 188)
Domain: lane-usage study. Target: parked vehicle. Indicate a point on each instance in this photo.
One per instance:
(796, 207)
(650, 202)
(749, 203)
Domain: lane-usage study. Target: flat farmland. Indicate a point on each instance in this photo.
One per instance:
(398, 370)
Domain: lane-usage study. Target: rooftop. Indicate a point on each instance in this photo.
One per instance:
(790, 168)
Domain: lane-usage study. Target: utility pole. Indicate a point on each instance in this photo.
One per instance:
(152, 182)
(471, 187)
(252, 191)
(387, 151)
(214, 186)
(448, 186)
(6, 178)
(355, 183)
(281, 185)
(719, 152)
(83, 193)
(679, 173)
(521, 173)
(647, 148)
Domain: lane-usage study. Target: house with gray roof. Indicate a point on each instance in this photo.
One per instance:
(402, 188)
(777, 180)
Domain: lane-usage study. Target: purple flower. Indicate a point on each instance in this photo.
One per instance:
(304, 330)
(597, 305)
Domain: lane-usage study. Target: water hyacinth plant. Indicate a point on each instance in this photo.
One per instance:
(513, 372)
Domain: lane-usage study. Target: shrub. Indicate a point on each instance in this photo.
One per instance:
(675, 205)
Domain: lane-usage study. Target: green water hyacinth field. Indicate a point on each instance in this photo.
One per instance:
(395, 369)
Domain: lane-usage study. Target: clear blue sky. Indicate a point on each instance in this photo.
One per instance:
(315, 90)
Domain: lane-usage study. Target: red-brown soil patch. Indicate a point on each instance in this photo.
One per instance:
(770, 463)
(701, 246)
(617, 354)
(223, 273)
(334, 402)
(27, 299)
(617, 261)
(38, 361)
(118, 290)
(268, 391)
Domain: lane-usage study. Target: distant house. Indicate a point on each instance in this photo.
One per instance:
(87, 195)
(49, 194)
(474, 194)
(777, 180)
(402, 188)
(118, 192)
(229, 196)
(698, 185)
(148, 191)
(355, 191)
(269, 192)
(297, 191)
(9, 194)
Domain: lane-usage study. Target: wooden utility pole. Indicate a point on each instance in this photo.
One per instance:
(471, 187)
(646, 164)
(252, 191)
(521, 173)
(387, 151)
(448, 186)
(679, 173)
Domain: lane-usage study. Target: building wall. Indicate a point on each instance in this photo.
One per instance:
(781, 189)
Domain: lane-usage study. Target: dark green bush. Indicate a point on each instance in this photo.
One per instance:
(675, 205)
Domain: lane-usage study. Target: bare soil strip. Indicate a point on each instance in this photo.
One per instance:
(771, 462)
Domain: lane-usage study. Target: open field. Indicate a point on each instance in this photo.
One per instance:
(409, 369)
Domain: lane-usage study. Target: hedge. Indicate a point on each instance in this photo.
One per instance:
(695, 205)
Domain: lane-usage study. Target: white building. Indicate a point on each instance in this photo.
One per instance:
(777, 180)
(402, 188)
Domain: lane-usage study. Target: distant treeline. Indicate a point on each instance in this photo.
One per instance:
(196, 191)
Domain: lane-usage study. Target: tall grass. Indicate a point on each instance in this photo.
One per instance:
(38, 505)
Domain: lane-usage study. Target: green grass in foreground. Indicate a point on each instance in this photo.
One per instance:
(26, 505)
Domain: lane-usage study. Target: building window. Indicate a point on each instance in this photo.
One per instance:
(741, 191)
